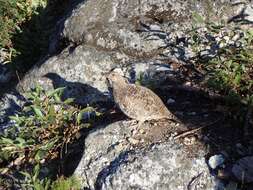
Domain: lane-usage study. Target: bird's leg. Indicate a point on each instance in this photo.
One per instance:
(139, 125)
(131, 122)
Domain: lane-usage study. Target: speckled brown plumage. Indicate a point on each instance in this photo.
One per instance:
(137, 102)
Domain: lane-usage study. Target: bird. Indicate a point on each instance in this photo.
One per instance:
(136, 102)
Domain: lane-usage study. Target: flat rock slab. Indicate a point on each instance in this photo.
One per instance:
(110, 162)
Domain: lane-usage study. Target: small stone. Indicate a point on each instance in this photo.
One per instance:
(170, 101)
(192, 113)
(226, 38)
(216, 160)
(133, 141)
(191, 140)
(249, 13)
(141, 131)
(236, 37)
(155, 27)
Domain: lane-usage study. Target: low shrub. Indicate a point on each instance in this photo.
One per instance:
(42, 133)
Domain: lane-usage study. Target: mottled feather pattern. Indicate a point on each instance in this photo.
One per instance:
(137, 102)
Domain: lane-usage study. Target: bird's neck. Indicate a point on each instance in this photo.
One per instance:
(119, 90)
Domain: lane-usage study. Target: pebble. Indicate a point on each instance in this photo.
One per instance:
(189, 140)
(155, 27)
(170, 101)
(133, 141)
(216, 160)
(192, 113)
(141, 131)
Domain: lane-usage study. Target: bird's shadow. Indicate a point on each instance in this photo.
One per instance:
(83, 94)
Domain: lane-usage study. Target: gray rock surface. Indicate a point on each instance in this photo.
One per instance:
(10, 104)
(112, 164)
(242, 169)
(128, 34)
(5, 73)
(143, 38)
(81, 71)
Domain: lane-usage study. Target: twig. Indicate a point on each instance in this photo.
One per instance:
(19, 80)
(18, 76)
(188, 132)
(193, 181)
(194, 130)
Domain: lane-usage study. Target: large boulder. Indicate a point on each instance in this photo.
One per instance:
(111, 162)
(107, 34)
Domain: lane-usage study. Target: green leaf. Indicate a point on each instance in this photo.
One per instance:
(17, 119)
(38, 186)
(56, 91)
(40, 155)
(80, 116)
(37, 111)
(6, 140)
(237, 79)
(25, 174)
(36, 171)
(69, 100)
(49, 144)
(57, 98)
(47, 184)
(21, 140)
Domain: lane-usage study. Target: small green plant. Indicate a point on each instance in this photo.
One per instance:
(231, 73)
(36, 182)
(12, 14)
(25, 30)
(143, 80)
(71, 183)
(41, 134)
(33, 181)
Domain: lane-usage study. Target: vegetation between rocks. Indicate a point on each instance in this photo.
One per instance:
(25, 29)
(227, 67)
(43, 134)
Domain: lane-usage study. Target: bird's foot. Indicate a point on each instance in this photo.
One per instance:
(131, 123)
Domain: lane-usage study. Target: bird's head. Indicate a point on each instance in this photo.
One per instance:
(116, 77)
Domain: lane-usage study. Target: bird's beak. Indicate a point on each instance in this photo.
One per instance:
(106, 74)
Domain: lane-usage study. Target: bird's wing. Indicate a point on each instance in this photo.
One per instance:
(143, 101)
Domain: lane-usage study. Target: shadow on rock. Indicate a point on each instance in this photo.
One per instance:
(82, 94)
(110, 169)
(241, 17)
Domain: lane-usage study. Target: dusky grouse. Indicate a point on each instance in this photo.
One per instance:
(137, 102)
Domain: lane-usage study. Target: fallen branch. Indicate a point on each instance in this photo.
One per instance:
(194, 130)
